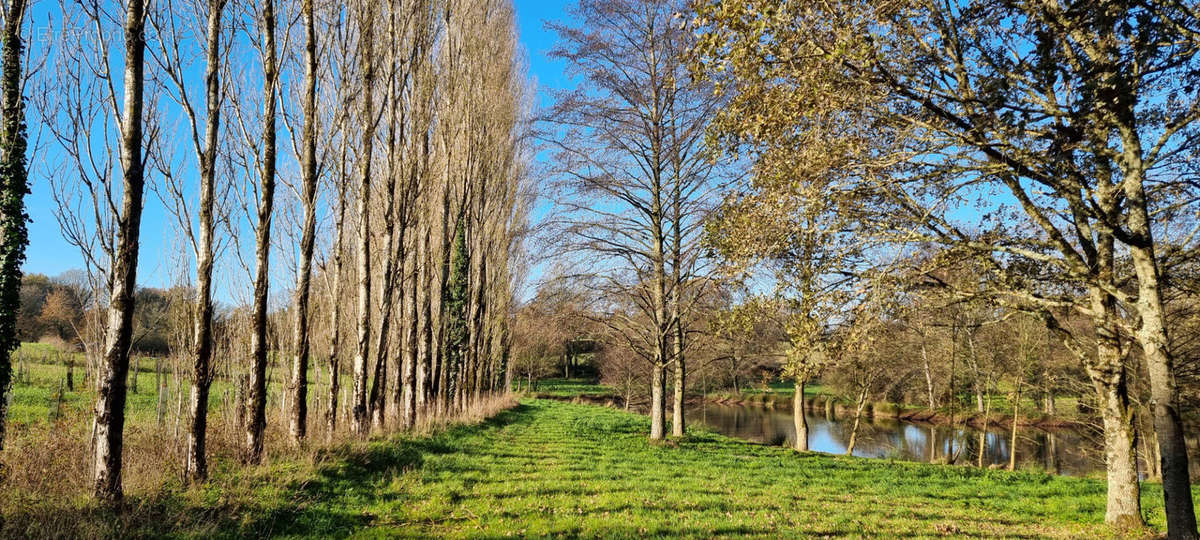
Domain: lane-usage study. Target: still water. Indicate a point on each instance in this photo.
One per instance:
(1066, 451)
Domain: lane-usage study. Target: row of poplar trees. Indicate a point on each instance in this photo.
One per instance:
(402, 127)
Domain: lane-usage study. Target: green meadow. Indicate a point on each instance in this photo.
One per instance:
(551, 469)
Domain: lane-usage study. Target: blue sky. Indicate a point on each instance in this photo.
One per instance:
(50, 254)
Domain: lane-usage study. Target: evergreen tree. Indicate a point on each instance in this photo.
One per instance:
(456, 309)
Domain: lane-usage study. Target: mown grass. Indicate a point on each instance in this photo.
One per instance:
(548, 468)
(573, 387)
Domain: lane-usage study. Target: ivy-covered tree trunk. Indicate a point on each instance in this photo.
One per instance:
(14, 185)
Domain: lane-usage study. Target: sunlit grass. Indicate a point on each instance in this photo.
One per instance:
(556, 469)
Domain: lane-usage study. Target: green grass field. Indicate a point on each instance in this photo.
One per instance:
(573, 387)
(42, 393)
(547, 469)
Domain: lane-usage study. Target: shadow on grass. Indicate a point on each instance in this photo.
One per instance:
(326, 501)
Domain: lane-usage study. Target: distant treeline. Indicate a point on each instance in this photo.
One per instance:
(61, 309)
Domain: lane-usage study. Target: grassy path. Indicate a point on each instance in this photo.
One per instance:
(557, 469)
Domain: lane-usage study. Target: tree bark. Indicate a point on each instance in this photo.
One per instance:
(1012, 444)
(308, 171)
(928, 373)
(360, 422)
(196, 464)
(860, 404)
(1108, 377)
(424, 363)
(335, 321)
(110, 403)
(677, 420)
(408, 397)
(258, 342)
(1164, 397)
(658, 389)
(798, 418)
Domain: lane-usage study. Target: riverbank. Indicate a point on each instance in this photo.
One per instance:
(549, 468)
(817, 400)
(832, 406)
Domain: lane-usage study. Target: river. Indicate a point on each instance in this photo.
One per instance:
(1073, 452)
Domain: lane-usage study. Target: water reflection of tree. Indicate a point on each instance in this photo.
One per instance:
(1071, 452)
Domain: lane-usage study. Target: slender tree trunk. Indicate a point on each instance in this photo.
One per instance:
(662, 330)
(677, 421)
(308, 170)
(258, 342)
(987, 418)
(196, 464)
(798, 418)
(860, 404)
(928, 374)
(424, 388)
(335, 320)
(409, 390)
(1012, 444)
(360, 422)
(110, 402)
(14, 185)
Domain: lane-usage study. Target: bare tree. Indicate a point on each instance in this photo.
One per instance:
(110, 403)
(366, 12)
(257, 398)
(308, 172)
(632, 141)
(171, 59)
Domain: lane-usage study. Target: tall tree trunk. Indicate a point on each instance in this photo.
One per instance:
(1164, 396)
(658, 389)
(308, 171)
(110, 402)
(196, 464)
(258, 341)
(677, 421)
(360, 422)
(1108, 377)
(798, 418)
(14, 185)
(424, 387)
(335, 298)
(677, 284)
(1012, 444)
(658, 405)
(391, 245)
(409, 388)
